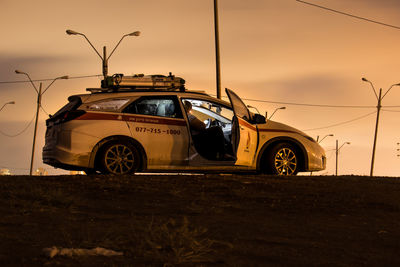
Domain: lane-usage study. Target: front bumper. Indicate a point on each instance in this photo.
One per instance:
(316, 158)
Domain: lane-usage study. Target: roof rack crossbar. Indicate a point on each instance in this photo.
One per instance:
(119, 82)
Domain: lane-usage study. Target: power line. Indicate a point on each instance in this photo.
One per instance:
(391, 106)
(41, 107)
(303, 104)
(350, 15)
(44, 80)
(307, 105)
(342, 123)
(18, 134)
(388, 110)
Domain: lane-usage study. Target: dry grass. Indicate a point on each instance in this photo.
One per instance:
(174, 243)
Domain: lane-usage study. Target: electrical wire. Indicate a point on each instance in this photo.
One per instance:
(388, 110)
(342, 123)
(349, 15)
(44, 80)
(391, 106)
(306, 104)
(18, 134)
(41, 107)
(302, 104)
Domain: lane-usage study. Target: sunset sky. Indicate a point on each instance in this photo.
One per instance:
(271, 50)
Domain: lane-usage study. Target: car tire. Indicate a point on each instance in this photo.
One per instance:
(283, 159)
(119, 157)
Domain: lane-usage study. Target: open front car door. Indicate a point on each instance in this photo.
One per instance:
(244, 134)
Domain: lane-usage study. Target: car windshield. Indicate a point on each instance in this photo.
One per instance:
(205, 110)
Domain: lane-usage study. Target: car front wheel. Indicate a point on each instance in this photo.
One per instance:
(283, 159)
(119, 158)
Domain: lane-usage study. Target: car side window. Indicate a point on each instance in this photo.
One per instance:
(111, 105)
(155, 106)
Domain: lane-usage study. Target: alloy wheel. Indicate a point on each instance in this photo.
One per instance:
(119, 159)
(285, 161)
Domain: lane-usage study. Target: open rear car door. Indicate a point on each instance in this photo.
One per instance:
(244, 134)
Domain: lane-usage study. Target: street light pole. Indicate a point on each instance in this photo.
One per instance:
(249, 106)
(11, 102)
(217, 55)
(276, 111)
(337, 153)
(38, 105)
(379, 106)
(323, 137)
(376, 132)
(103, 58)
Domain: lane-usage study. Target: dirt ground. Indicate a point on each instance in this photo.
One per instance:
(201, 220)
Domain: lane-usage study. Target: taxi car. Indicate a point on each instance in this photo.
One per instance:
(141, 123)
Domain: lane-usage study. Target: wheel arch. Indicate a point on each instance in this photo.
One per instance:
(94, 157)
(277, 140)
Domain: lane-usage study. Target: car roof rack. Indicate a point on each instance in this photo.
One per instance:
(140, 82)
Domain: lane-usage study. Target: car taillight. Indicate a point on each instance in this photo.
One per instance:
(70, 115)
(64, 117)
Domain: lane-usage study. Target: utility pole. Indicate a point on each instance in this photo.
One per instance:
(379, 106)
(337, 153)
(38, 105)
(371, 173)
(217, 55)
(337, 156)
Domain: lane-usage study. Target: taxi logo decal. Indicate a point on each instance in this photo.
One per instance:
(132, 118)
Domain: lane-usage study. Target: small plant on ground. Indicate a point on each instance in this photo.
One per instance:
(175, 243)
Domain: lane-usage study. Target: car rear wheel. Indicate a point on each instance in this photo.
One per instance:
(119, 158)
(283, 159)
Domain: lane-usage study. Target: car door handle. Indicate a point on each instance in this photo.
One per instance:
(241, 127)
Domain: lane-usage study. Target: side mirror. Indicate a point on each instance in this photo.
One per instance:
(258, 119)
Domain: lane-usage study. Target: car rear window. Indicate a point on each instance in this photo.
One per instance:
(106, 105)
(73, 104)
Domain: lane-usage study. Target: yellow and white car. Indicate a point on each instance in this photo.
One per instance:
(130, 129)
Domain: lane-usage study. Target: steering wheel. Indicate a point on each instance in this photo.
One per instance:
(212, 122)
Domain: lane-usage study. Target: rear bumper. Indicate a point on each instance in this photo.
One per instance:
(56, 164)
(59, 158)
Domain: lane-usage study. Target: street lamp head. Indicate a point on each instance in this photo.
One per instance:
(11, 102)
(19, 72)
(136, 33)
(348, 143)
(71, 32)
(64, 77)
(365, 80)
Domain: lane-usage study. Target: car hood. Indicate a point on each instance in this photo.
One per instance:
(280, 127)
